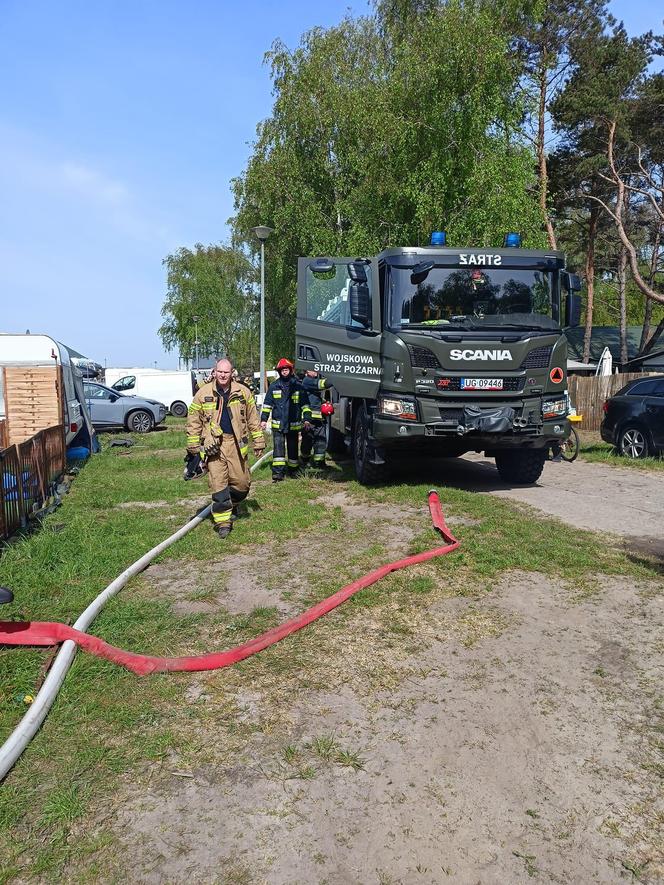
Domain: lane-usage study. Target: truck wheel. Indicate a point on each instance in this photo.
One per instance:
(336, 441)
(521, 467)
(367, 473)
(179, 409)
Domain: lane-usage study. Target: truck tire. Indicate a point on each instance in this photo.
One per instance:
(366, 472)
(522, 467)
(179, 409)
(336, 441)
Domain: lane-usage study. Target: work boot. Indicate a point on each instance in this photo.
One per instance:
(224, 529)
(240, 511)
(277, 479)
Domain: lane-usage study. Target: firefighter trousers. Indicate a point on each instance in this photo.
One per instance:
(284, 453)
(315, 439)
(229, 479)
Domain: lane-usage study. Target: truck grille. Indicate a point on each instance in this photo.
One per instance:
(422, 357)
(538, 358)
(510, 385)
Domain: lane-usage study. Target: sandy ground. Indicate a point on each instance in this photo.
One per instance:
(620, 501)
(528, 753)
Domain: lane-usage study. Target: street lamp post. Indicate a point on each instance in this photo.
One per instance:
(262, 233)
(196, 319)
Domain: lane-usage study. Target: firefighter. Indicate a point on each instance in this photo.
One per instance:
(316, 437)
(222, 423)
(287, 403)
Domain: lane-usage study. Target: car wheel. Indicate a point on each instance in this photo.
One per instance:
(179, 409)
(633, 442)
(140, 421)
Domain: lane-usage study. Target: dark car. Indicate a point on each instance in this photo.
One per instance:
(109, 408)
(634, 418)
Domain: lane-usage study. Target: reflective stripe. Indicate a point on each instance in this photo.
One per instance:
(321, 384)
(316, 415)
(257, 434)
(319, 457)
(293, 463)
(296, 396)
(193, 440)
(250, 401)
(195, 407)
(278, 462)
(294, 426)
(208, 407)
(244, 451)
(222, 517)
(276, 394)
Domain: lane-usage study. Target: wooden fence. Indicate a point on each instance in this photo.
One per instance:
(589, 393)
(4, 435)
(29, 472)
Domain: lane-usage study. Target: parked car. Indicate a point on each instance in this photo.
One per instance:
(175, 389)
(634, 418)
(109, 408)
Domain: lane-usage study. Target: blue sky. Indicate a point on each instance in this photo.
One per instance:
(121, 126)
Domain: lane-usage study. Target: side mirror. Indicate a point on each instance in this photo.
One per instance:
(360, 303)
(571, 282)
(113, 398)
(573, 309)
(321, 265)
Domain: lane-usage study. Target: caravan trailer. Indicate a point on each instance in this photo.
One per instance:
(40, 388)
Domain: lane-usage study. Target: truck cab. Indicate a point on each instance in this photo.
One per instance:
(442, 351)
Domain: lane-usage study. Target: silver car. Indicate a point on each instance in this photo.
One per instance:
(108, 408)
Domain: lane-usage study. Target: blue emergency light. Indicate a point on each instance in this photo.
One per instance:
(513, 239)
(438, 238)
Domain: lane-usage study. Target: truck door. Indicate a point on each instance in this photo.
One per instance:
(338, 323)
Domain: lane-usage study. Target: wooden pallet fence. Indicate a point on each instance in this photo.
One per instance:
(30, 471)
(589, 393)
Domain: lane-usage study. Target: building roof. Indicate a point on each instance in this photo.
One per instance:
(603, 336)
(656, 355)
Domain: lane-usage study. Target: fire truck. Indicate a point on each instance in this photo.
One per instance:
(441, 351)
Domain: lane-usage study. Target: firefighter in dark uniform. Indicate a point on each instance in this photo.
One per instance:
(316, 438)
(222, 423)
(287, 406)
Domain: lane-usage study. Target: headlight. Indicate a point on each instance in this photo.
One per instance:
(554, 408)
(404, 409)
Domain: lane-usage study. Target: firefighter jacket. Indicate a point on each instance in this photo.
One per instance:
(315, 388)
(288, 404)
(203, 421)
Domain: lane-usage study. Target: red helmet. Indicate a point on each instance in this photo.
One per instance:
(284, 364)
(326, 408)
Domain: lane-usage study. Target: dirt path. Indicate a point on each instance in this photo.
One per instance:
(515, 741)
(591, 496)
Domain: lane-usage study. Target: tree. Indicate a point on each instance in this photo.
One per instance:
(379, 135)
(549, 34)
(217, 284)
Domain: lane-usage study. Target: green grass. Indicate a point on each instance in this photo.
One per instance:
(593, 448)
(108, 724)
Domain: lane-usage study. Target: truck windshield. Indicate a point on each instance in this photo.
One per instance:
(471, 298)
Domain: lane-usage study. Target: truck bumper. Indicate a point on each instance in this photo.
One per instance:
(391, 433)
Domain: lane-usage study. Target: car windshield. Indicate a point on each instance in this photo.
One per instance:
(471, 298)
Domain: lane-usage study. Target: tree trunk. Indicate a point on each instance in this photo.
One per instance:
(593, 223)
(647, 313)
(622, 298)
(541, 155)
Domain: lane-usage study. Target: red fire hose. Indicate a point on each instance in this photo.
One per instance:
(52, 633)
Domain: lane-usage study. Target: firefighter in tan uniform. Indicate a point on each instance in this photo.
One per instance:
(223, 422)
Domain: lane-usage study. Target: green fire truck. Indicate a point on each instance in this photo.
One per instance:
(441, 351)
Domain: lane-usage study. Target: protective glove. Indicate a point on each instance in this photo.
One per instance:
(193, 465)
(212, 448)
(259, 452)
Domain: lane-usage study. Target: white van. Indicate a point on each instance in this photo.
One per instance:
(40, 388)
(174, 389)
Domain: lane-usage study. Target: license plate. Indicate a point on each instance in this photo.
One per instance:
(481, 384)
